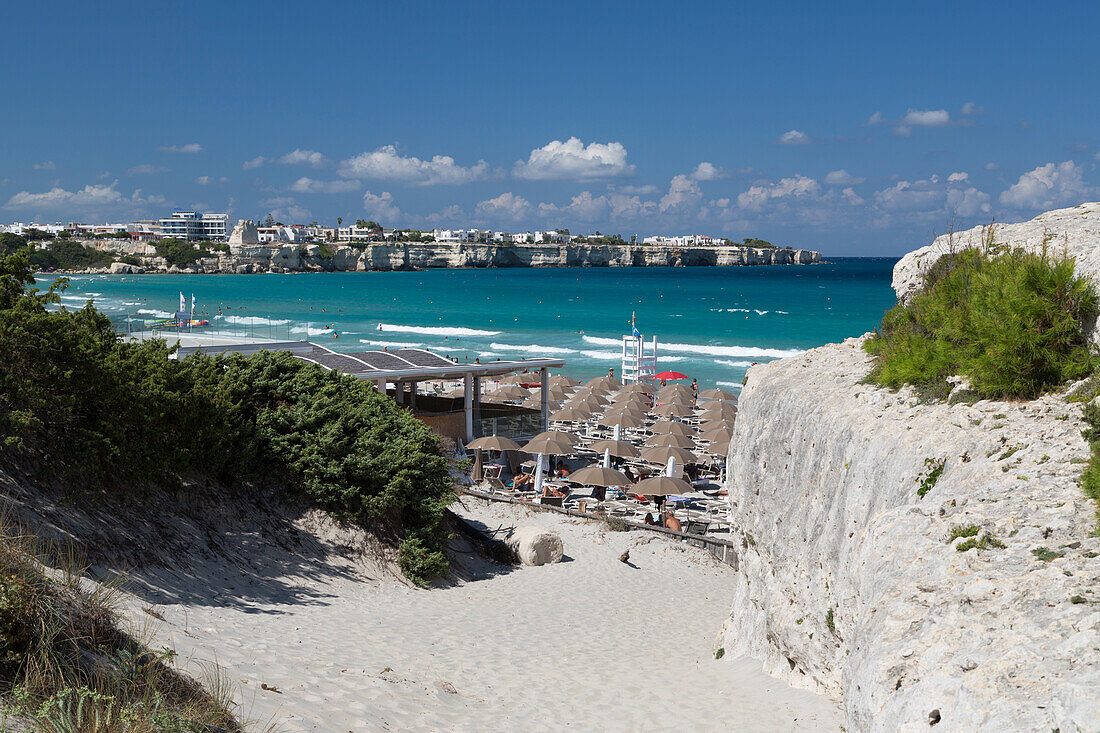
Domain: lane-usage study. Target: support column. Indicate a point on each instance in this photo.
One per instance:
(468, 405)
(544, 400)
(399, 392)
(477, 403)
(412, 395)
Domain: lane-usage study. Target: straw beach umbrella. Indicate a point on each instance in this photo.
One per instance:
(511, 392)
(661, 454)
(549, 444)
(494, 442)
(622, 419)
(680, 441)
(572, 414)
(673, 409)
(719, 449)
(560, 380)
(661, 486)
(717, 434)
(599, 476)
(717, 394)
(669, 427)
(617, 448)
(605, 383)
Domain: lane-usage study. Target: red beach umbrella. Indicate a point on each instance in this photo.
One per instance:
(670, 375)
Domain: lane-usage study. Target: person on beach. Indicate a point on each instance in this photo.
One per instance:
(611, 372)
(523, 481)
(671, 522)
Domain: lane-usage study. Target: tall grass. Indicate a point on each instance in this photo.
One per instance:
(1010, 321)
(66, 665)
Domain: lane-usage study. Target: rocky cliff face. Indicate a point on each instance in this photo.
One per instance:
(417, 256)
(849, 583)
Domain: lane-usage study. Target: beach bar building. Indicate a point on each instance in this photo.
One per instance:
(399, 372)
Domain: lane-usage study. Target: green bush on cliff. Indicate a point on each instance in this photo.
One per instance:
(1011, 322)
(78, 403)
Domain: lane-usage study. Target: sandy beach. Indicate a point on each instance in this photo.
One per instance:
(590, 643)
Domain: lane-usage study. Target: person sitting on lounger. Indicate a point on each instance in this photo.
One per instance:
(630, 475)
(672, 523)
(523, 481)
(549, 490)
(650, 520)
(564, 470)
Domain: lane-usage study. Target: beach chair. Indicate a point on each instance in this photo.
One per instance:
(552, 500)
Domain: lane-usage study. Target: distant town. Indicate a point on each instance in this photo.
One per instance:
(194, 226)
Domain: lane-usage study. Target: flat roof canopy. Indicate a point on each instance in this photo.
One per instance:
(402, 365)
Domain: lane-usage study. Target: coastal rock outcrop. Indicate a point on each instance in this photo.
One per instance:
(1074, 231)
(846, 498)
(244, 257)
(534, 545)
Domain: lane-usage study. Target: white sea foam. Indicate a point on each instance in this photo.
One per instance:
(399, 344)
(600, 341)
(78, 298)
(155, 313)
(532, 348)
(671, 359)
(735, 385)
(603, 355)
(438, 330)
(749, 351)
(706, 349)
(310, 331)
(727, 362)
(255, 321)
(761, 313)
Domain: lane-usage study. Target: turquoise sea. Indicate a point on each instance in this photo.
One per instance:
(710, 323)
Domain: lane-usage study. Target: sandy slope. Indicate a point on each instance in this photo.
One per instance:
(590, 643)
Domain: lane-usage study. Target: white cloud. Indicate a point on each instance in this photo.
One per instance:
(46, 166)
(842, 178)
(851, 197)
(188, 148)
(255, 162)
(969, 202)
(386, 163)
(584, 207)
(310, 185)
(507, 205)
(683, 194)
(972, 108)
(1047, 187)
(381, 208)
(707, 172)
(93, 195)
(643, 190)
(875, 119)
(209, 180)
(992, 166)
(449, 216)
(794, 137)
(146, 169)
(926, 118)
(306, 157)
(758, 196)
(574, 160)
(930, 199)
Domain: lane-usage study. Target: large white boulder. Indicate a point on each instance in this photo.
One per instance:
(534, 545)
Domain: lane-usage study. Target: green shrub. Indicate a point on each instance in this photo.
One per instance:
(65, 255)
(179, 253)
(1090, 479)
(959, 530)
(78, 403)
(1011, 322)
(985, 542)
(926, 481)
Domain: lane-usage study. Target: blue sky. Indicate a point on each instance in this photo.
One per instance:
(853, 128)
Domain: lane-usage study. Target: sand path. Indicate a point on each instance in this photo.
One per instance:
(590, 643)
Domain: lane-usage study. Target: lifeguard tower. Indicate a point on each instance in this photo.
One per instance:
(638, 365)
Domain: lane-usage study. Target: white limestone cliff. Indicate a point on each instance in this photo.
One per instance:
(848, 582)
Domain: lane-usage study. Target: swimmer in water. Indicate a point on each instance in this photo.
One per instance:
(379, 326)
